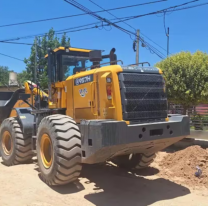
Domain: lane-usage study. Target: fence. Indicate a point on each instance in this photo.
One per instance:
(198, 115)
(178, 109)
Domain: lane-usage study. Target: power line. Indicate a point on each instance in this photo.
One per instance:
(93, 27)
(122, 20)
(152, 13)
(65, 31)
(153, 41)
(160, 54)
(75, 15)
(11, 57)
(111, 14)
(152, 49)
(165, 10)
(83, 8)
(189, 7)
(45, 34)
(147, 44)
(8, 42)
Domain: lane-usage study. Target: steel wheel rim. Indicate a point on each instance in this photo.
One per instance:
(7, 144)
(46, 151)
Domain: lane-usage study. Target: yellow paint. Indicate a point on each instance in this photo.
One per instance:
(70, 49)
(69, 97)
(21, 103)
(59, 84)
(114, 105)
(46, 151)
(127, 122)
(22, 117)
(80, 50)
(63, 97)
(35, 91)
(84, 96)
(92, 104)
(160, 71)
(93, 98)
(89, 100)
(13, 113)
(59, 48)
(52, 106)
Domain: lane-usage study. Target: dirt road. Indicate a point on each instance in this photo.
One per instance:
(99, 185)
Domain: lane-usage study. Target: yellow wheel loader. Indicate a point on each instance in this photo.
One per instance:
(97, 111)
(9, 100)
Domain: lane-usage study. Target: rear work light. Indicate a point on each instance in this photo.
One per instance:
(109, 92)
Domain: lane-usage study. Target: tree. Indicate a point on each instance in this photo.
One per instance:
(22, 77)
(186, 78)
(50, 40)
(4, 75)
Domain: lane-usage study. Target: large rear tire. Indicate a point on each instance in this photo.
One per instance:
(133, 161)
(59, 150)
(14, 147)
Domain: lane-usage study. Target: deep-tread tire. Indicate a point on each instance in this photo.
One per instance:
(145, 161)
(138, 161)
(66, 143)
(21, 150)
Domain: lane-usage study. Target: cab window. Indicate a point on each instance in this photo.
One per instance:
(72, 64)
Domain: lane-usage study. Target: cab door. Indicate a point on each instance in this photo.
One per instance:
(85, 98)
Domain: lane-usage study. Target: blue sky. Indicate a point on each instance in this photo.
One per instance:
(188, 28)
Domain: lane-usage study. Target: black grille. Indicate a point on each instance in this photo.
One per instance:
(143, 96)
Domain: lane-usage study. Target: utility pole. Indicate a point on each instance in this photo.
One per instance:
(137, 47)
(35, 68)
(168, 39)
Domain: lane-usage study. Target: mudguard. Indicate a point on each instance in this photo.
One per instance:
(26, 119)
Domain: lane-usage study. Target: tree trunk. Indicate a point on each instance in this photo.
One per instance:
(184, 110)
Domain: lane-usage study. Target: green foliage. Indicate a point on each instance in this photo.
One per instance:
(22, 77)
(199, 117)
(4, 76)
(50, 40)
(186, 78)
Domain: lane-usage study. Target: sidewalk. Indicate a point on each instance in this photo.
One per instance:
(197, 137)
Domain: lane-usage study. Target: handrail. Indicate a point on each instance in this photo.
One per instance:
(105, 63)
(142, 63)
(91, 98)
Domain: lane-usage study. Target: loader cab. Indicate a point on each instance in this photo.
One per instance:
(64, 62)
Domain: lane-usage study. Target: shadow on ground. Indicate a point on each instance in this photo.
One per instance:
(26, 163)
(114, 186)
(149, 171)
(68, 189)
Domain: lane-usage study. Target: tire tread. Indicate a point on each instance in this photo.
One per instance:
(22, 146)
(67, 162)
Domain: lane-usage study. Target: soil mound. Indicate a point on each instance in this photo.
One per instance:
(182, 165)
